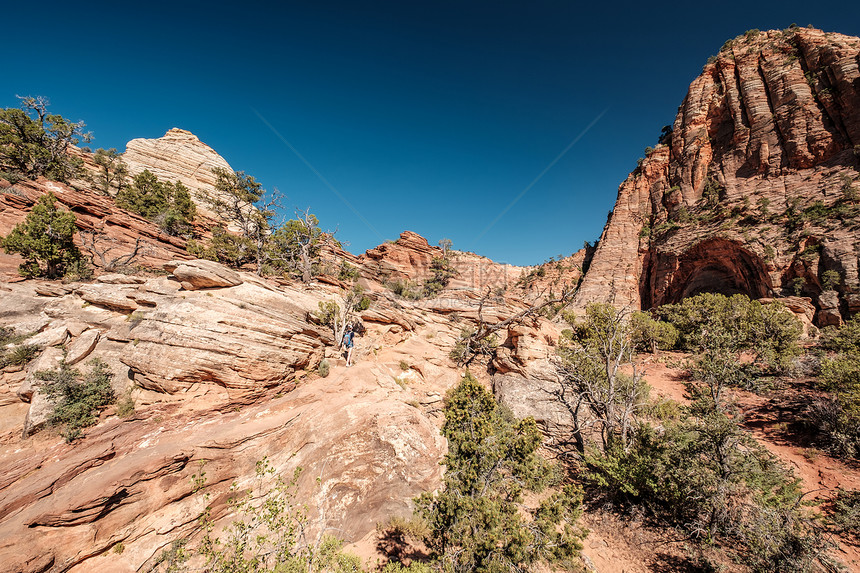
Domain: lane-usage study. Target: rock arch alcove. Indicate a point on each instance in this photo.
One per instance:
(715, 265)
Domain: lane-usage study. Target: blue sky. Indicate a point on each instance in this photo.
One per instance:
(426, 116)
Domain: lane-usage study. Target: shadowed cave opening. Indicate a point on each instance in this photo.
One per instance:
(717, 266)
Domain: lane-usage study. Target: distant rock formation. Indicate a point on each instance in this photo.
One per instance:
(746, 192)
(410, 257)
(178, 156)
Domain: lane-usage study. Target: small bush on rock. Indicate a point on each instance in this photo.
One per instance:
(77, 398)
(323, 369)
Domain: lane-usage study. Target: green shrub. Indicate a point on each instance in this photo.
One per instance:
(224, 247)
(845, 516)
(45, 237)
(849, 192)
(717, 323)
(830, 279)
(441, 274)
(323, 369)
(347, 272)
(797, 286)
(838, 419)
(125, 407)
(77, 398)
(11, 177)
(18, 355)
(712, 192)
(712, 480)
(169, 205)
(363, 302)
(406, 289)
(36, 143)
(665, 227)
(78, 270)
(477, 520)
(650, 335)
(845, 339)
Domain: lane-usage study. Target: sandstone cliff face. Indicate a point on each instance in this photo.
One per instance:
(748, 193)
(177, 156)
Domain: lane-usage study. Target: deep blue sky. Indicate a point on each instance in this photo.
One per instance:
(426, 116)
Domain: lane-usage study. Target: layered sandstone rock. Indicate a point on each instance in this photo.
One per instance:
(177, 156)
(410, 257)
(199, 274)
(246, 339)
(728, 202)
(197, 364)
(364, 454)
(117, 231)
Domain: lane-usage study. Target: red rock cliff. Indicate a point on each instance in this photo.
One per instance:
(753, 191)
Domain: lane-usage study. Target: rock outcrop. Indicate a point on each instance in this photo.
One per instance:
(752, 190)
(246, 339)
(199, 274)
(410, 257)
(177, 156)
(221, 377)
(117, 231)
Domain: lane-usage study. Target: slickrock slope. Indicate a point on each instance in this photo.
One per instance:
(221, 375)
(752, 191)
(177, 156)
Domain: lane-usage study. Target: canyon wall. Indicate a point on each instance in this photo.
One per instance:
(754, 190)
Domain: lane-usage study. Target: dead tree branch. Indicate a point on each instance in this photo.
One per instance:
(99, 245)
(472, 343)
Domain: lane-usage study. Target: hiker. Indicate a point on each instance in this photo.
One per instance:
(348, 343)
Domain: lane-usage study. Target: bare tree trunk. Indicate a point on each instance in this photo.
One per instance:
(306, 263)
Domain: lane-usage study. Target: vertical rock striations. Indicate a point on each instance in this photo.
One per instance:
(754, 191)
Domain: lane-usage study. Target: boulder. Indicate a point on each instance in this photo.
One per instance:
(38, 414)
(53, 289)
(82, 346)
(49, 359)
(200, 273)
(828, 311)
(50, 337)
(109, 296)
(248, 338)
(540, 399)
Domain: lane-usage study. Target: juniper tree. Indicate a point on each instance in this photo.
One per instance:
(36, 143)
(113, 170)
(477, 520)
(45, 237)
